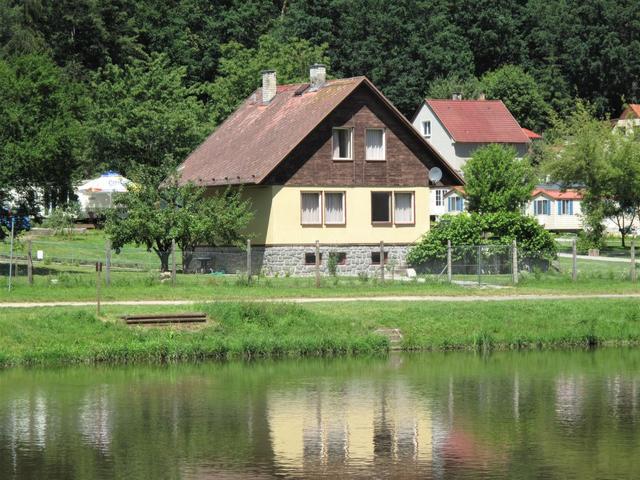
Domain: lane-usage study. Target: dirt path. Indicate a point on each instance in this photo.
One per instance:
(403, 298)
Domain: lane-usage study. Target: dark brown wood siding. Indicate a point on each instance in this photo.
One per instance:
(311, 163)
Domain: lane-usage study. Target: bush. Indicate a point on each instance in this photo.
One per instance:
(501, 228)
(62, 219)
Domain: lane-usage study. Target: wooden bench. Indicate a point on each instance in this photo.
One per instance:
(161, 318)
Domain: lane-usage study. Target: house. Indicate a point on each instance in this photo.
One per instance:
(457, 128)
(555, 209)
(330, 161)
(629, 118)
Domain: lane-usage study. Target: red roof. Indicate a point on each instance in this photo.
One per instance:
(478, 121)
(253, 141)
(531, 134)
(632, 111)
(571, 194)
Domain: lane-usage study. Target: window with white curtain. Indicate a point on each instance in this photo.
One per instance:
(334, 208)
(342, 143)
(310, 211)
(375, 148)
(403, 208)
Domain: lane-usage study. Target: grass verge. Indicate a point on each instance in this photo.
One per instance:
(241, 330)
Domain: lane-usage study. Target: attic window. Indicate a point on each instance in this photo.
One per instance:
(426, 128)
(375, 148)
(342, 143)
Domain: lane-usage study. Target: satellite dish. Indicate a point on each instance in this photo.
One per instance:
(435, 175)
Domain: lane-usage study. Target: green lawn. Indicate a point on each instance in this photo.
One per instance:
(66, 280)
(73, 335)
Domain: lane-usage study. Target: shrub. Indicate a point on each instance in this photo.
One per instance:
(332, 264)
(500, 228)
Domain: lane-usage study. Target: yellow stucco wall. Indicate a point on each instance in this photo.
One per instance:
(277, 217)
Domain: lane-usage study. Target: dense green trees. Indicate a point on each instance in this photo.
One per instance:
(102, 57)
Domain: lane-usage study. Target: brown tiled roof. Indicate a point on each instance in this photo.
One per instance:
(478, 121)
(247, 146)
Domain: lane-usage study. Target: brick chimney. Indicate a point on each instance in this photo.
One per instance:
(317, 76)
(269, 85)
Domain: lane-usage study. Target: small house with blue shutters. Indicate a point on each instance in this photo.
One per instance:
(557, 210)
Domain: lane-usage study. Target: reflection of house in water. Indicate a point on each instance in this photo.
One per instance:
(27, 422)
(95, 419)
(570, 395)
(356, 428)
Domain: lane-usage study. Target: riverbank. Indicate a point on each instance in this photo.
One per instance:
(54, 336)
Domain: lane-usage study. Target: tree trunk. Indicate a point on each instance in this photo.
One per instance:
(164, 259)
(623, 235)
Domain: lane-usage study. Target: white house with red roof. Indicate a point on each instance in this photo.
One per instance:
(555, 209)
(457, 128)
(630, 117)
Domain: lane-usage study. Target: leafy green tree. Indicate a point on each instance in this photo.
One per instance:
(41, 139)
(144, 114)
(240, 69)
(520, 93)
(497, 181)
(497, 228)
(155, 211)
(606, 163)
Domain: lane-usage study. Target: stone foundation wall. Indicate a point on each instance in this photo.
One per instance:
(290, 260)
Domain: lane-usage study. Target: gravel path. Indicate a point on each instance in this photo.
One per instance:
(404, 298)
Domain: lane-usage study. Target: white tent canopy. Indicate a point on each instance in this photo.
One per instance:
(97, 194)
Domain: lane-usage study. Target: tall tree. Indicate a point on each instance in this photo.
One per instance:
(606, 163)
(497, 181)
(143, 114)
(520, 93)
(41, 139)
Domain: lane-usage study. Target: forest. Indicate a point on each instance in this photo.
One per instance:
(91, 85)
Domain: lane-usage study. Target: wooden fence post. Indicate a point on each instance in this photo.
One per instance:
(107, 263)
(634, 274)
(29, 263)
(381, 261)
(449, 269)
(574, 263)
(514, 262)
(249, 259)
(173, 262)
(98, 284)
(317, 264)
(479, 265)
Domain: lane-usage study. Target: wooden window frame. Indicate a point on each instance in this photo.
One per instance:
(384, 144)
(413, 207)
(385, 260)
(386, 222)
(320, 197)
(344, 209)
(345, 159)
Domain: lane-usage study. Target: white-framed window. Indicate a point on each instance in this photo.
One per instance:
(565, 207)
(375, 144)
(342, 143)
(310, 208)
(403, 208)
(334, 208)
(541, 207)
(439, 196)
(380, 207)
(426, 128)
(455, 204)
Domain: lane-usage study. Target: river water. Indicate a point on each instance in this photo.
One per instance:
(457, 415)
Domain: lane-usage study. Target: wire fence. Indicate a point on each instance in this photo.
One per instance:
(491, 265)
